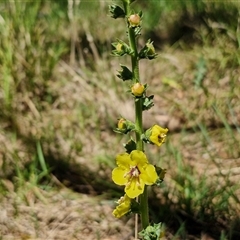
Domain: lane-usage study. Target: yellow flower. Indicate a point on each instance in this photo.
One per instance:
(158, 135)
(124, 206)
(134, 172)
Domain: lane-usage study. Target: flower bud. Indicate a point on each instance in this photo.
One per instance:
(134, 20)
(151, 49)
(138, 89)
(119, 47)
(122, 124)
(148, 51)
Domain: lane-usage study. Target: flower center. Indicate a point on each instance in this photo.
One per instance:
(134, 172)
(133, 176)
(161, 137)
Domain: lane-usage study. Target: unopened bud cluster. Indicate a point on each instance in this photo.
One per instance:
(134, 22)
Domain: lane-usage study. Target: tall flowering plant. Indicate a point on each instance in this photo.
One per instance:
(134, 171)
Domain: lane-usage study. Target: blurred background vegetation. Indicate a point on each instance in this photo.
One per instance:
(60, 100)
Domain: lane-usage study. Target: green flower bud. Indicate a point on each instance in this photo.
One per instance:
(124, 126)
(121, 48)
(134, 20)
(138, 89)
(148, 51)
(150, 47)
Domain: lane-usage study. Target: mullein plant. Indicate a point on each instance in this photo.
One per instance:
(134, 171)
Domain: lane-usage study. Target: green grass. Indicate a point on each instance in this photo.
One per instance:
(60, 100)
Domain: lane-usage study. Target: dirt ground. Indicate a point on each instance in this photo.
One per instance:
(61, 215)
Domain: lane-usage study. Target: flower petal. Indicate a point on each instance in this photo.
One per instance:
(123, 160)
(138, 157)
(118, 175)
(134, 188)
(149, 175)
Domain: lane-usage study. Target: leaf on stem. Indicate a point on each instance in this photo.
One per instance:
(116, 11)
(125, 74)
(130, 146)
(148, 102)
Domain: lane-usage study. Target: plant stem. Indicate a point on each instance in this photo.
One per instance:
(134, 57)
(138, 117)
(138, 123)
(140, 146)
(133, 45)
(144, 208)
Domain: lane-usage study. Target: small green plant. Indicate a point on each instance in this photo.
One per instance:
(134, 170)
(33, 177)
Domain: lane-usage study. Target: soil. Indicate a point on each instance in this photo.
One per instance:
(61, 215)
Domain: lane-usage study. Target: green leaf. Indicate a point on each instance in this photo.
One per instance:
(148, 102)
(125, 74)
(130, 146)
(116, 11)
(154, 232)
